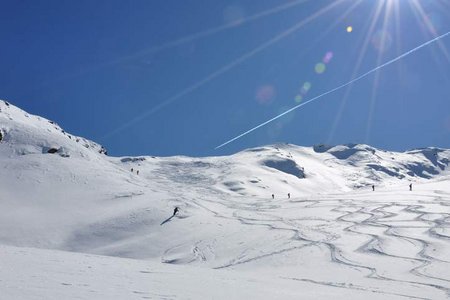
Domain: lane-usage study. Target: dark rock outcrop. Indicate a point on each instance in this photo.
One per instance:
(52, 150)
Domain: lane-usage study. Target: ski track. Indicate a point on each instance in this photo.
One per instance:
(335, 233)
(354, 214)
(268, 214)
(353, 287)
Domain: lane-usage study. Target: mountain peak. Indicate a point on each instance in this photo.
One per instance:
(29, 134)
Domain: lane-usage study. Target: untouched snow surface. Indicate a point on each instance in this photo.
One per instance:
(77, 224)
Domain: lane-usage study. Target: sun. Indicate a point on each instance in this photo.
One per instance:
(384, 31)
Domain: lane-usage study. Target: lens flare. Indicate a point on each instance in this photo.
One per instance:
(306, 87)
(288, 32)
(265, 94)
(298, 98)
(410, 52)
(328, 57)
(320, 68)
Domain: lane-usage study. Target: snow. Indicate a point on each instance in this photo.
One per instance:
(78, 224)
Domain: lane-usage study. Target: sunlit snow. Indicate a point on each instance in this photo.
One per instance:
(78, 224)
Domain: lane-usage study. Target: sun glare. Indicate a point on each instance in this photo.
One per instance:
(383, 32)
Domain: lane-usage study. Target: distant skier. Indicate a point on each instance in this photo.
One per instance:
(175, 211)
(132, 170)
(137, 172)
(410, 186)
(289, 195)
(373, 187)
(273, 196)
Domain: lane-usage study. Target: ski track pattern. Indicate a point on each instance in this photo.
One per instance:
(353, 215)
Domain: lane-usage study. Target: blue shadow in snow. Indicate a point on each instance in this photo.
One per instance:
(167, 220)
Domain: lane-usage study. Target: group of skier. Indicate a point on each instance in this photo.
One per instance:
(176, 209)
(410, 187)
(289, 196)
(373, 189)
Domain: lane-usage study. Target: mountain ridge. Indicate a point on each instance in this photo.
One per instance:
(54, 194)
(285, 213)
(362, 165)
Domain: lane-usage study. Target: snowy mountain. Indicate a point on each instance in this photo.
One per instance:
(334, 236)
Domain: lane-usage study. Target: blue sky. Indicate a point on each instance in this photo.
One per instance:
(169, 77)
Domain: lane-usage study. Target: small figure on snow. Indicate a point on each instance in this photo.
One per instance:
(410, 186)
(137, 172)
(273, 196)
(373, 187)
(132, 170)
(175, 211)
(289, 195)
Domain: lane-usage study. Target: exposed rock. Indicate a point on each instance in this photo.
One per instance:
(132, 159)
(103, 151)
(52, 150)
(63, 152)
(321, 148)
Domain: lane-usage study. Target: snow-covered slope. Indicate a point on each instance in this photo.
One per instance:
(62, 192)
(28, 134)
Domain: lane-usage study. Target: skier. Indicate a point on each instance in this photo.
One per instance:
(137, 172)
(273, 196)
(175, 211)
(289, 195)
(373, 187)
(410, 186)
(132, 170)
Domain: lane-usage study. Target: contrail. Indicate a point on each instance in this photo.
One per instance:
(223, 69)
(214, 30)
(180, 41)
(336, 89)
